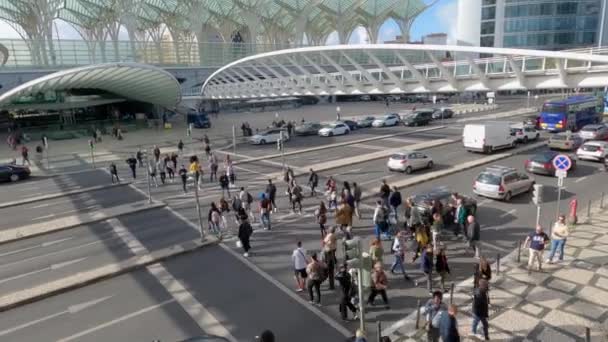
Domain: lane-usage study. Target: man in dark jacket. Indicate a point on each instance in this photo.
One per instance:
(385, 191)
(183, 173)
(346, 284)
(480, 308)
(313, 181)
(271, 190)
(140, 158)
(448, 327)
(245, 232)
(114, 172)
(394, 199)
(225, 184)
(132, 162)
(474, 234)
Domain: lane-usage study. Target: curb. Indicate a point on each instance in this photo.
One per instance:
(101, 273)
(17, 234)
(438, 174)
(59, 194)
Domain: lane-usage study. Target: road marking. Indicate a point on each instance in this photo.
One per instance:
(43, 217)
(510, 212)
(74, 309)
(204, 318)
(323, 316)
(251, 171)
(49, 268)
(405, 140)
(44, 244)
(117, 320)
(369, 147)
(493, 246)
(484, 202)
(581, 179)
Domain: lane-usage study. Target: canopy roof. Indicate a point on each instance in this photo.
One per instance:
(131, 81)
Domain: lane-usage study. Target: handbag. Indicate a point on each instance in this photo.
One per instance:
(239, 244)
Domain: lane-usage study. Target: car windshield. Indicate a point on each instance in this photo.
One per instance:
(590, 148)
(488, 178)
(559, 137)
(544, 157)
(590, 128)
(399, 157)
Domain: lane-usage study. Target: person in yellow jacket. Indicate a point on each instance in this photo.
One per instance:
(196, 170)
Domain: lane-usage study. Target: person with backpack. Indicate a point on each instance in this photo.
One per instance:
(265, 210)
(347, 287)
(183, 173)
(379, 285)
(245, 231)
(114, 172)
(316, 275)
(313, 182)
(433, 310)
(132, 162)
(246, 201)
(380, 218)
(296, 197)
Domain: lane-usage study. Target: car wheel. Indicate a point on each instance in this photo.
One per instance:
(262, 142)
(537, 136)
(408, 170)
(429, 165)
(347, 131)
(331, 134)
(508, 196)
(14, 177)
(525, 139)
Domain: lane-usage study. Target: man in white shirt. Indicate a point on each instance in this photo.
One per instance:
(299, 266)
(246, 198)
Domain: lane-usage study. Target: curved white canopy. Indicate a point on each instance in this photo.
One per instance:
(132, 81)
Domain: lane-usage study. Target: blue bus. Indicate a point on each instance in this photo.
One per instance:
(570, 114)
(198, 119)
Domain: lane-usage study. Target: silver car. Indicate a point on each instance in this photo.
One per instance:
(502, 182)
(594, 132)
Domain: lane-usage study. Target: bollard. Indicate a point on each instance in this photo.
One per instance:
(587, 334)
(518, 251)
(588, 210)
(418, 315)
(602, 201)
(379, 329)
(498, 264)
(452, 293)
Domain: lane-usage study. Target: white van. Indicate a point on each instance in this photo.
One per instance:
(487, 137)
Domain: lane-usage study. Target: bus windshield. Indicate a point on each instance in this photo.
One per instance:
(552, 118)
(551, 108)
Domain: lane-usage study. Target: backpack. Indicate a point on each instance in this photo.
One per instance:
(249, 198)
(323, 273)
(382, 215)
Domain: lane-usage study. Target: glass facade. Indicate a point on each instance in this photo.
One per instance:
(541, 24)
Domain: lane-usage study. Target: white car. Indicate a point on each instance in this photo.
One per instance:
(593, 150)
(524, 133)
(334, 129)
(387, 120)
(269, 136)
(594, 132)
(409, 161)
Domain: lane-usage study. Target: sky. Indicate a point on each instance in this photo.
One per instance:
(439, 18)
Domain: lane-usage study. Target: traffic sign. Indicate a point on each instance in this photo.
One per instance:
(560, 182)
(561, 173)
(562, 162)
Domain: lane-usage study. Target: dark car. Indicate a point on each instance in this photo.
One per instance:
(422, 201)
(13, 173)
(352, 125)
(542, 163)
(365, 122)
(308, 128)
(442, 113)
(419, 118)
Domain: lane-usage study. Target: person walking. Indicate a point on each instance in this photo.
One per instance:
(225, 185)
(174, 161)
(473, 234)
(296, 197)
(183, 173)
(481, 310)
(215, 218)
(380, 218)
(536, 242)
(559, 234)
(25, 155)
(426, 266)
(152, 172)
(321, 215)
(379, 285)
(448, 326)
(114, 172)
(346, 285)
(330, 245)
(460, 219)
(415, 217)
(376, 252)
(398, 249)
(170, 168)
(385, 191)
(140, 158)
(195, 171)
(132, 162)
(245, 231)
(162, 170)
(313, 181)
(483, 271)
(436, 228)
(246, 201)
(298, 257)
(344, 219)
(156, 152)
(265, 210)
(357, 198)
(441, 266)
(213, 167)
(394, 200)
(224, 210)
(433, 310)
(314, 269)
(271, 191)
(180, 147)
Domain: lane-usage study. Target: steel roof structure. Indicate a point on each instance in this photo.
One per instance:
(404, 68)
(258, 21)
(131, 81)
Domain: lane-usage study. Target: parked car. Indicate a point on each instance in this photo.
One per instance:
(488, 137)
(332, 129)
(269, 136)
(366, 121)
(13, 173)
(442, 113)
(524, 133)
(352, 125)
(418, 118)
(387, 120)
(308, 128)
(423, 202)
(502, 182)
(408, 161)
(594, 132)
(593, 150)
(565, 141)
(542, 163)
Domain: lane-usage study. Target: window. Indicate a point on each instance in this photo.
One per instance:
(488, 2)
(564, 38)
(547, 8)
(589, 8)
(487, 41)
(567, 8)
(488, 13)
(487, 27)
(510, 178)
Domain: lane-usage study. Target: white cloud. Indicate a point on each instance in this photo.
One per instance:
(447, 14)
(359, 36)
(333, 39)
(7, 32)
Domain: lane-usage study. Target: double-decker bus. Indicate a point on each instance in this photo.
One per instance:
(571, 114)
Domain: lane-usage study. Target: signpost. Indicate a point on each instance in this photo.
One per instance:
(92, 146)
(562, 164)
